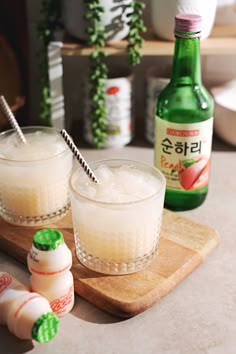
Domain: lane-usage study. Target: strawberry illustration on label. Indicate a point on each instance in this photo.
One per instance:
(193, 173)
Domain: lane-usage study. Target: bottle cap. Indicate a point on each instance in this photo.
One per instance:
(187, 23)
(48, 239)
(45, 328)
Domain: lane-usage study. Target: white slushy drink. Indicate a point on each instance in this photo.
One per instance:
(34, 176)
(117, 221)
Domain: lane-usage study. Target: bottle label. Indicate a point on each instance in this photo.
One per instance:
(24, 303)
(55, 272)
(5, 281)
(182, 153)
(59, 306)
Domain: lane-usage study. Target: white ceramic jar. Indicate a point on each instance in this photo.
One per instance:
(226, 12)
(163, 14)
(225, 111)
(26, 314)
(49, 261)
(114, 18)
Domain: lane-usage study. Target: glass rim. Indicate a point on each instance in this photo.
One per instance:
(91, 200)
(30, 127)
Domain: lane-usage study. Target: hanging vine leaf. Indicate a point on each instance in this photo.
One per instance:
(135, 41)
(98, 71)
(50, 21)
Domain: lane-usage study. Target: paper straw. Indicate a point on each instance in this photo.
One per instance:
(78, 156)
(12, 120)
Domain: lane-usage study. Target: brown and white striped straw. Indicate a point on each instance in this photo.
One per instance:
(12, 120)
(78, 156)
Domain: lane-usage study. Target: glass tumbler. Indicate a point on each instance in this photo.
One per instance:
(117, 237)
(34, 176)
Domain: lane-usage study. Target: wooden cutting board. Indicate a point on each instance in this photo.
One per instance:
(184, 245)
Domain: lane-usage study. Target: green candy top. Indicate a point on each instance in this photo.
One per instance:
(45, 328)
(48, 239)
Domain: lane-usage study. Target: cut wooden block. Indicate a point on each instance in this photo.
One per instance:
(184, 245)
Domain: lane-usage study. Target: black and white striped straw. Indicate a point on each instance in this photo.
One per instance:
(12, 120)
(78, 156)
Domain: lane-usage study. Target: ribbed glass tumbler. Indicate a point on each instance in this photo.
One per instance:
(118, 234)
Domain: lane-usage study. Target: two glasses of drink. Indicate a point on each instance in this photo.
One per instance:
(116, 221)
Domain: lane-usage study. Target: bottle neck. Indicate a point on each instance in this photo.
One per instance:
(187, 63)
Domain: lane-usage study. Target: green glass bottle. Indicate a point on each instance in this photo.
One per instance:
(184, 122)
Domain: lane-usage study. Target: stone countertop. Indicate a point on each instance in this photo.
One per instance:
(198, 317)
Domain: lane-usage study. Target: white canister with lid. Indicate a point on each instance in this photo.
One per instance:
(119, 112)
(27, 315)
(154, 86)
(49, 262)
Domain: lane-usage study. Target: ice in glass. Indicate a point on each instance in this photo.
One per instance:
(117, 221)
(34, 176)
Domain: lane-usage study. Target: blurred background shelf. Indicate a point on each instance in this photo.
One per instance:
(221, 42)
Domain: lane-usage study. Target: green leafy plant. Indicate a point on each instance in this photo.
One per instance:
(98, 68)
(50, 21)
(135, 41)
(98, 71)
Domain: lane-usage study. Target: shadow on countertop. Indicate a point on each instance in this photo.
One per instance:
(12, 344)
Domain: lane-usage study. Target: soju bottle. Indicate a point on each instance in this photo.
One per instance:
(184, 122)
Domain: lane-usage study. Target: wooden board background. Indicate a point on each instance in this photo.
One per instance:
(184, 245)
